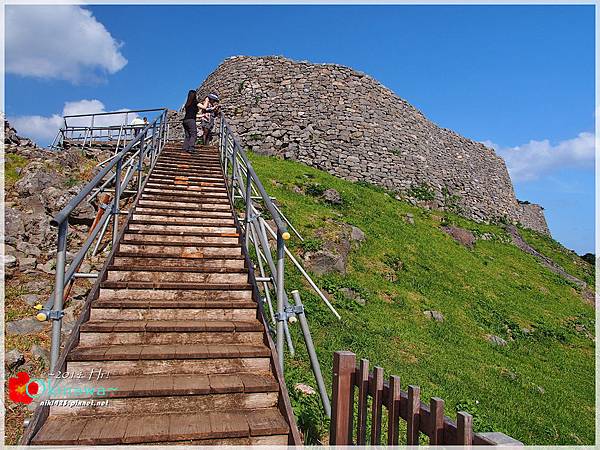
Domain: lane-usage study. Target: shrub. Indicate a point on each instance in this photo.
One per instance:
(422, 191)
(314, 189)
(311, 245)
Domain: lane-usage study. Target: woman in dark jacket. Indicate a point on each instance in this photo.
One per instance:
(189, 122)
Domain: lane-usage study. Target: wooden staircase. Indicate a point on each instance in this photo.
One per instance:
(177, 327)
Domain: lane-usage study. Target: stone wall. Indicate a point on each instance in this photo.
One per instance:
(531, 216)
(346, 123)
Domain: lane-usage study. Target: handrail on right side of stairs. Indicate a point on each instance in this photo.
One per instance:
(245, 191)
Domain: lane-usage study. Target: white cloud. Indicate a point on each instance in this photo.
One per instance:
(59, 42)
(43, 129)
(536, 158)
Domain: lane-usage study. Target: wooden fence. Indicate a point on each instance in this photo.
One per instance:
(419, 417)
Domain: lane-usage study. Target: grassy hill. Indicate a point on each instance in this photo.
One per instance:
(539, 388)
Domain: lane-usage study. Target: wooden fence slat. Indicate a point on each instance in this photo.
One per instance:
(436, 411)
(394, 396)
(464, 426)
(363, 393)
(412, 422)
(342, 396)
(376, 406)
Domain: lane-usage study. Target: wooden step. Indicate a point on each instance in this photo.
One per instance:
(95, 338)
(170, 286)
(174, 276)
(231, 326)
(126, 302)
(197, 331)
(154, 268)
(189, 173)
(141, 236)
(100, 312)
(154, 196)
(185, 192)
(166, 385)
(184, 205)
(180, 251)
(178, 228)
(199, 295)
(197, 263)
(211, 402)
(168, 211)
(163, 428)
(202, 166)
(168, 242)
(167, 352)
(184, 185)
(169, 176)
(151, 219)
(214, 365)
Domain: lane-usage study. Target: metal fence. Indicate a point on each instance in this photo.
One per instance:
(124, 172)
(255, 207)
(114, 128)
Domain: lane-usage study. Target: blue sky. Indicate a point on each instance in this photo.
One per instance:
(520, 78)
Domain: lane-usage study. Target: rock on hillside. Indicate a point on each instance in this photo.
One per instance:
(39, 183)
(345, 122)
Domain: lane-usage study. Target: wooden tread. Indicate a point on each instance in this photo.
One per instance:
(108, 326)
(137, 429)
(162, 352)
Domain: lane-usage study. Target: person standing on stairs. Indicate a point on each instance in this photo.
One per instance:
(189, 121)
(209, 110)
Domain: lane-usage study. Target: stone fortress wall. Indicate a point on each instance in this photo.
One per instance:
(346, 123)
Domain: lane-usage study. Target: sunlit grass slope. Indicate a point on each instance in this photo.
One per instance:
(538, 389)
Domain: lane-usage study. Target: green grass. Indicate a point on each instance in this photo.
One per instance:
(538, 389)
(12, 163)
(567, 259)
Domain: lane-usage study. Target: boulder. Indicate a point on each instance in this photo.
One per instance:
(35, 178)
(460, 235)
(351, 294)
(357, 234)
(29, 249)
(30, 299)
(27, 325)
(9, 261)
(13, 359)
(435, 315)
(13, 222)
(409, 218)
(27, 264)
(332, 196)
(41, 353)
(323, 261)
(496, 340)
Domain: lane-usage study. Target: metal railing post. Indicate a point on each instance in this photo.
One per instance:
(233, 174)
(143, 146)
(312, 354)
(56, 314)
(248, 208)
(115, 208)
(280, 302)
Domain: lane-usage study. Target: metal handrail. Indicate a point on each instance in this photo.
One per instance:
(243, 183)
(108, 113)
(132, 159)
